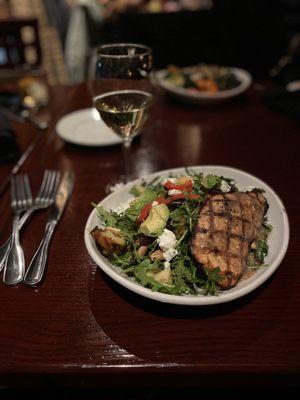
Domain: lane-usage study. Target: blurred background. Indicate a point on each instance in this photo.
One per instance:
(57, 37)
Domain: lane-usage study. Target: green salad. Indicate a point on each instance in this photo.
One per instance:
(202, 78)
(149, 238)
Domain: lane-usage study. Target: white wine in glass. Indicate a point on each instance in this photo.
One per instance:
(124, 111)
(122, 91)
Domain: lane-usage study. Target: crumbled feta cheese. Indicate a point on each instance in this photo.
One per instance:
(172, 192)
(167, 240)
(225, 187)
(154, 203)
(167, 264)
(172, 180)
(170, 254)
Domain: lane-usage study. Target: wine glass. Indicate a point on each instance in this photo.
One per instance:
(122, 91)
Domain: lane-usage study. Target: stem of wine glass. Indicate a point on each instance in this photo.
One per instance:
(126, 158)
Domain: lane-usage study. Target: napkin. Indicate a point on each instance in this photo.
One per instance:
(9, 148)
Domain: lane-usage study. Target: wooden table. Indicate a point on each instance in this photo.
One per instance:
(82, 329)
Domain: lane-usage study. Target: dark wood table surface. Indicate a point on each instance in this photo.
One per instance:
(79, 328)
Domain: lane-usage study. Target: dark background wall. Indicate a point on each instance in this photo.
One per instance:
(252, 34)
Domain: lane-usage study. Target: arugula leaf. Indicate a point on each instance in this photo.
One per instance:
(141, 273)
(108, 217)
(147, 280)
(147, 265)
(183, 217)
(266, 226)
(209, 285)
(184, 275)
(119, 221)
(123, 260)
(179, 275)
(261, 250)
(211, 181)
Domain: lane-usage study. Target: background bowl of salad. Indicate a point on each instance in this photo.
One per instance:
(203, 84)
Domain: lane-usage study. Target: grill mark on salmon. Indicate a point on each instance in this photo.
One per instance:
(228, 223)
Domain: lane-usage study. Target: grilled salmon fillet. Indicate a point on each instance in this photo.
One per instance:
(228, 223)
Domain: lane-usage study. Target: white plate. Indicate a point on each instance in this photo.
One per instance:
(86, 128)
(278, 240)
(197, 97)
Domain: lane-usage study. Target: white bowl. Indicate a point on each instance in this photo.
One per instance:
(278, 239)
(198, 97)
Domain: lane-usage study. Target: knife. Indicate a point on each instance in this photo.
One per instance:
(35, 271)
(24, 157)
(24, 115)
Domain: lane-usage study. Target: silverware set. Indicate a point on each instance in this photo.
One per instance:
(51, 194)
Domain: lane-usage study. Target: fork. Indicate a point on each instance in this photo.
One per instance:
(21, 200)
(43, 199)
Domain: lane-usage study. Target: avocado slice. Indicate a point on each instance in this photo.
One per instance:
(164, 276)
(156, 220)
